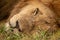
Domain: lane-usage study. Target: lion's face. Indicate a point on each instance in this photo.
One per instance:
(31, 18)
(24, 20)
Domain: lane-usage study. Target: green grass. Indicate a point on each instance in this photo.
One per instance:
(40, 35)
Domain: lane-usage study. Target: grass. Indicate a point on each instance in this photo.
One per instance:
(40, 35)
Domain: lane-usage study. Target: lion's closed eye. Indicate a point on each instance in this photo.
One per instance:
(36, 11)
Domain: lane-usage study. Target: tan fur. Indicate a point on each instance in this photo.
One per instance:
(28, 21)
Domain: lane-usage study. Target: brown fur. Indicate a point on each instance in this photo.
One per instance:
(7, 6)
(44, 19)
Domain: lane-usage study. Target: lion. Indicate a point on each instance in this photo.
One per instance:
(34, 16)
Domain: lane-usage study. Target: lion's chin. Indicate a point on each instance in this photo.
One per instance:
(7, 26)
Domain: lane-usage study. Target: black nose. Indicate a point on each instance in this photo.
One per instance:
(17, 26)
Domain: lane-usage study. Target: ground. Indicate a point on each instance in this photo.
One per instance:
(39, 35)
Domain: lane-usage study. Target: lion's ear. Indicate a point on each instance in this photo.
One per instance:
(36, 11)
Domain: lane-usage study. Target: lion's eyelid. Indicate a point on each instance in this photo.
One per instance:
(36, 11)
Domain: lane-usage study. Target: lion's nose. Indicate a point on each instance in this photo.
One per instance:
(17, 26)
(12, 25)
